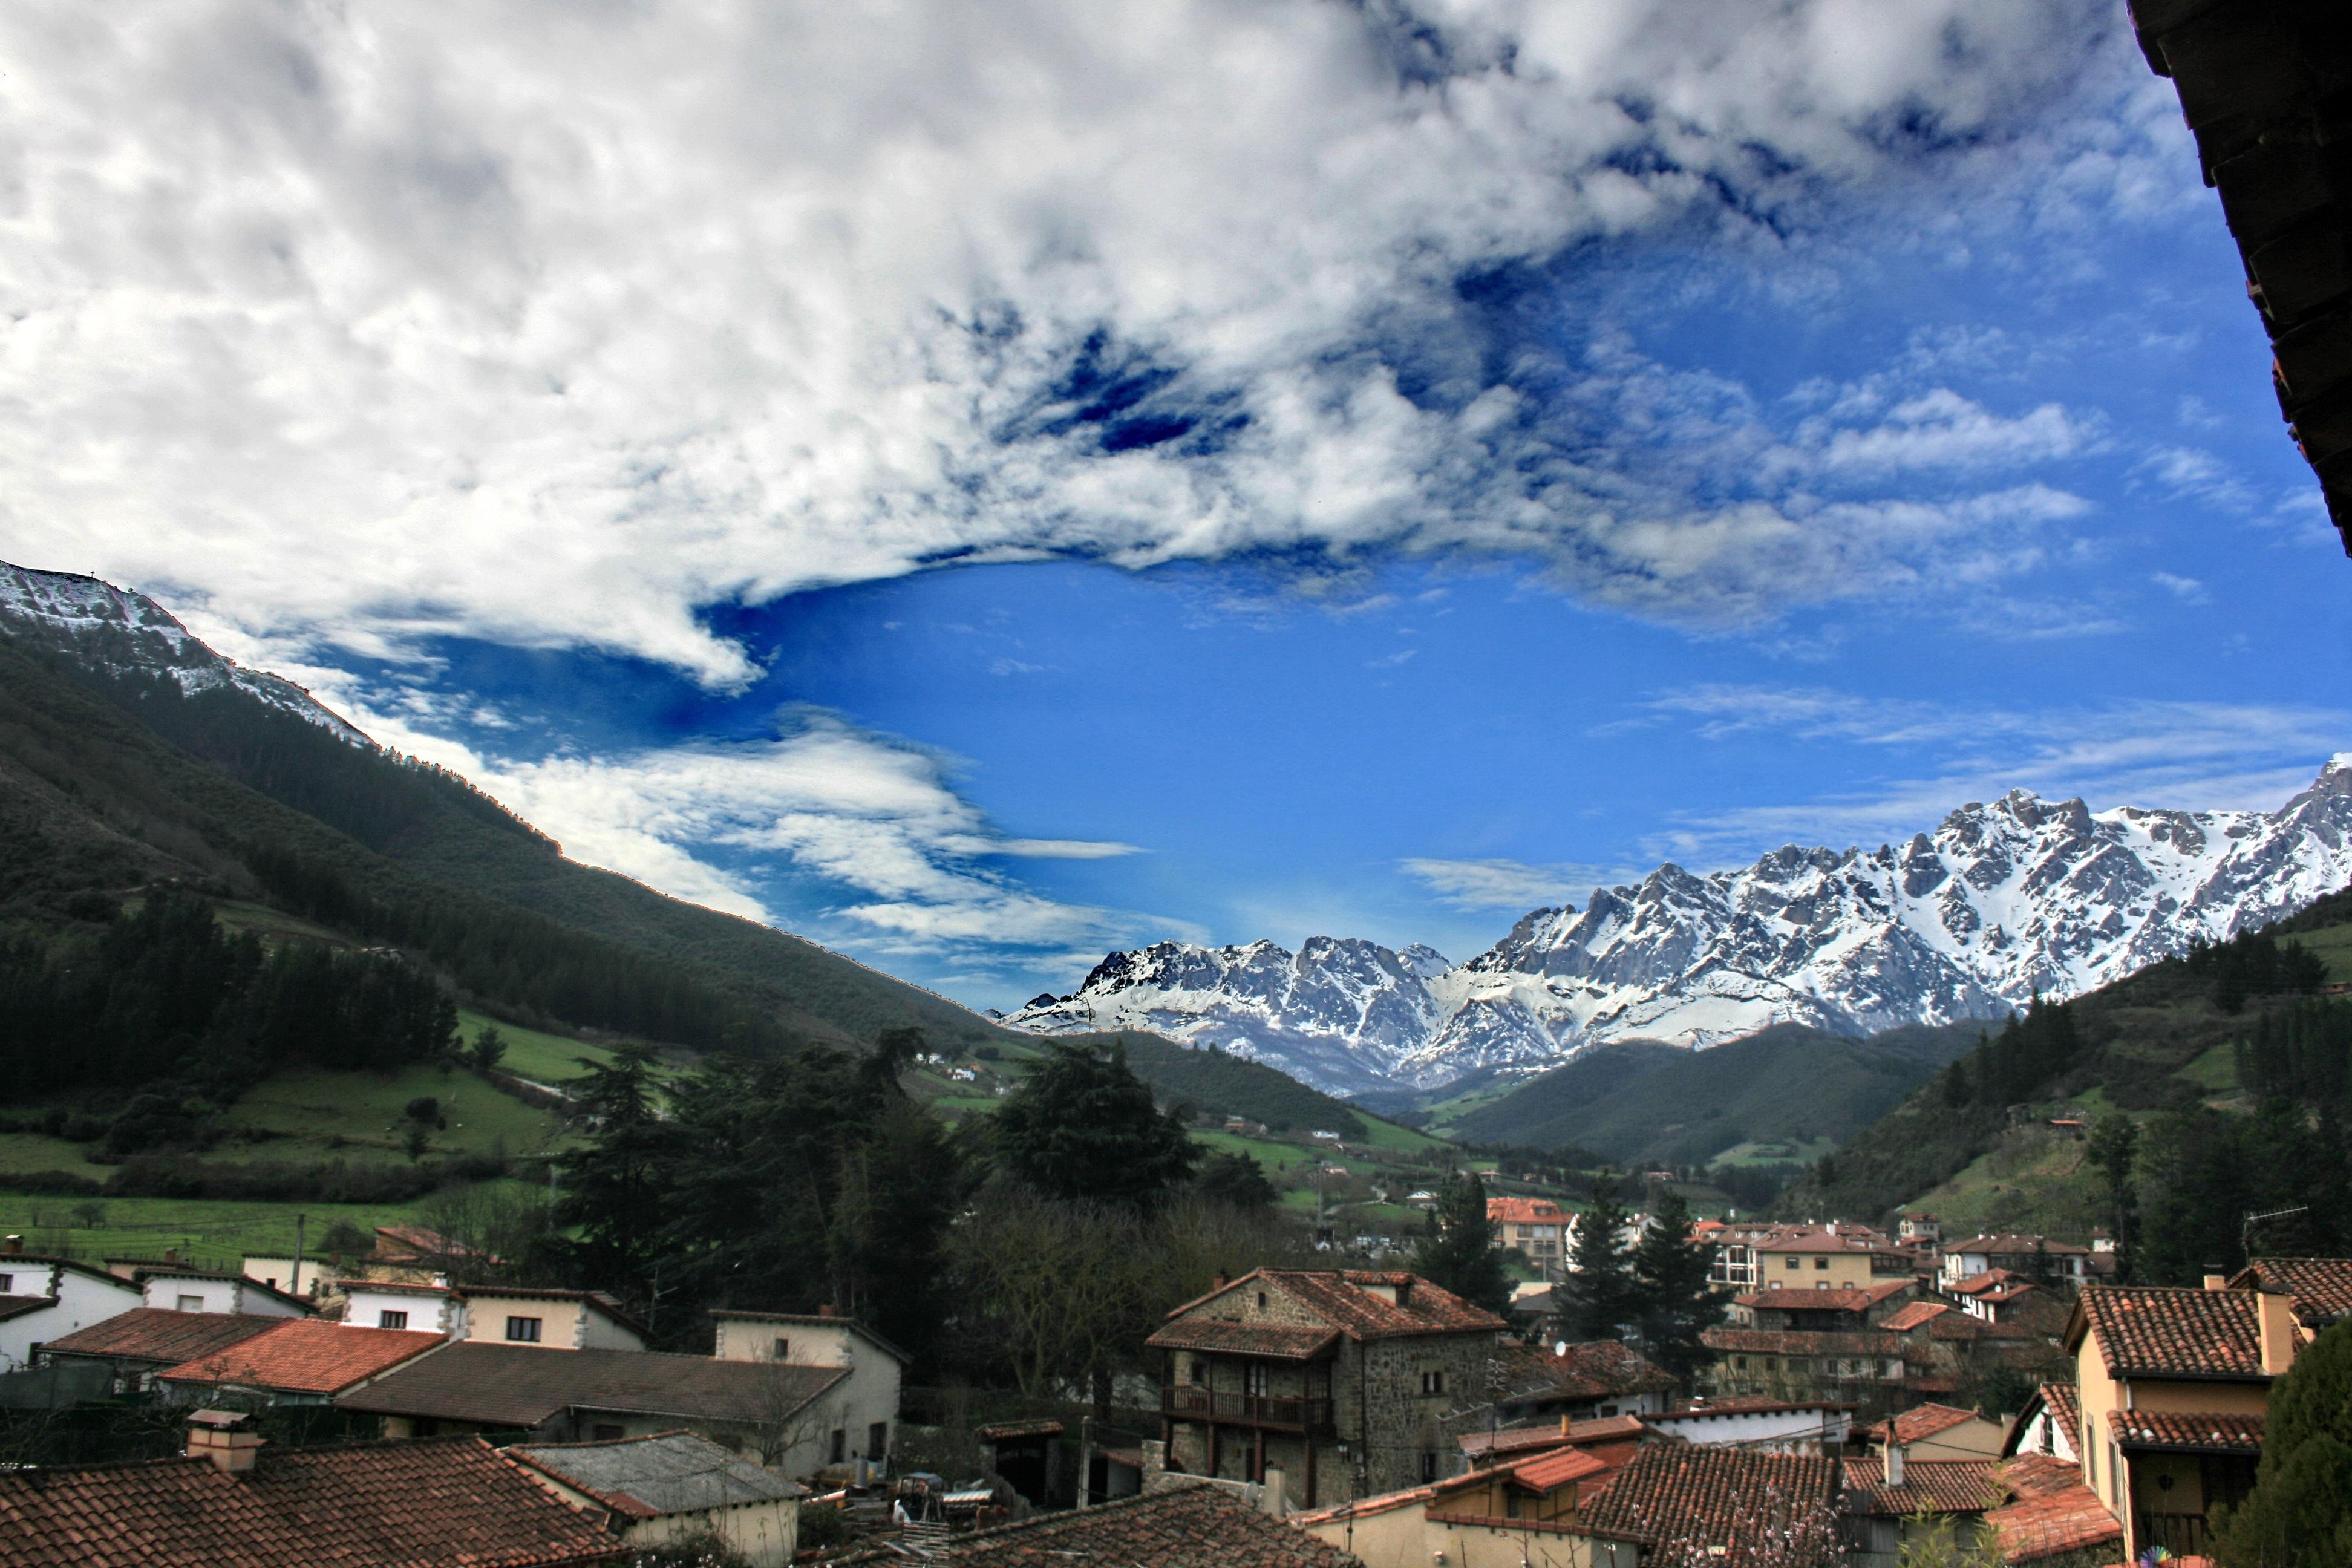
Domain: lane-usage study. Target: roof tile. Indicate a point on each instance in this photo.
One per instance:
(2162, 1331)
(1720, 1496)
(163, 1336)
(304, 1356)
(2055, 1515)
(2187, 1431)
(522, 1385)
(1193, 1527)
(1932, 1486)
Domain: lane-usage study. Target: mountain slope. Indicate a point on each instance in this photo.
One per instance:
(1639, 1101)
(130, 751)
(2003, 901)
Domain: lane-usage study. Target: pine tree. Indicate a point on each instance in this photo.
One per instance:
(1083, 1126)
(1600, 1304)
(1458, 1251)
(617, 1182)
(2299, 1514)
(1674, 1304)
(2113, 1143)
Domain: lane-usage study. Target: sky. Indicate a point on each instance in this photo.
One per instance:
(984, 485)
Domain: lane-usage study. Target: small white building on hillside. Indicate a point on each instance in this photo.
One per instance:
(45, 1299)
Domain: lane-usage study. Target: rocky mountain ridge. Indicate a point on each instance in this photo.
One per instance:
(2002, 900)
(124, 632)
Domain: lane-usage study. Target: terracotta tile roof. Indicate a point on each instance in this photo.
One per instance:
(1191, 1527)
(1345, 1298)
(1924, 1421)
(1722, 1496)
(362, 1505)
(1978, 1284)
(1932, 1486)
(645, 1477)
(1541, 1475)
(2164, 1332)
(300, 1356)
(1820, 1238)
(2055, 1515)
(2322, 1286)
(1243, 1339)
(1802, 1341)
(1845, 1298)
(161, 1336)
(17, 1306)
(414, 1244)
(2062, 1402)
(1904, 1318)
(1524, 1211)
(2187, 1432)
(521, 1385)
(1531, 1439)
(1596, 1369)
(2016, 1244)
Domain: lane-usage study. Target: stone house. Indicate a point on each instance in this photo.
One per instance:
(864, 1404)
(1348, 1383)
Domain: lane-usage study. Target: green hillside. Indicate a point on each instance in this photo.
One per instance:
(107, 785)
(1646, 1103)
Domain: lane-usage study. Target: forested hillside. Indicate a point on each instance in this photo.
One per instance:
(1656, 1104)
(2167, 1108)
(110, 783)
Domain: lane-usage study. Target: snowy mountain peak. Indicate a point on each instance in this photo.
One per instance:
(2001, 901)
(123, 632)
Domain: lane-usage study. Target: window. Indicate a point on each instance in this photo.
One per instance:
(1254, 1379)
(1432, 1382)
(1739, 1363)
(1821, 1263)
(391, 1320)
(7, 1283)
(783, 1350)
(607, 1432)
(1261, 1301)
(1796, 1263)
(1428, 1467)
(1200, 1372)
(1821, 1284)
(192, 1303)
(523, 1330)
(840, 1445)
(878, 1439)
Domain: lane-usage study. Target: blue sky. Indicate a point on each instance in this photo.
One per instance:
(1265, 471)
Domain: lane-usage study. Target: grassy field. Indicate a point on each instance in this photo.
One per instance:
(212, 1233)
(323, 1115)
(2333, 943)
(1803, 1152)
(2034, 1179)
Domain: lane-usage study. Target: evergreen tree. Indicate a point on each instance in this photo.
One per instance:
(1237, 1181)
(2113, 1143)
(2299, 1514)
(1083, 1126)
(1458, 1250)
(617, 1184)
(1672, 1301)
(1601, 1292)
(489, 1049)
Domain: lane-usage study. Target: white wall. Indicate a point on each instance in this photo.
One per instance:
(81, 1299)
(434, 1312)
(1783, 1431)
(193, 1293)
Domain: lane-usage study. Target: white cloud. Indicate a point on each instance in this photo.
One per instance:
(871, 817)
(552, 323)
(1505, 884)
(2188, 588)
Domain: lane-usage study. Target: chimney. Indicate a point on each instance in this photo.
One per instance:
(1220, 1280)
(15, 1246)
(824, 1310)
(2217, 1282)
(1894, 1458)
(220, 1435)
(171, 1255)
(1404, 1291)
(2274, 1309)
(1563, 1426)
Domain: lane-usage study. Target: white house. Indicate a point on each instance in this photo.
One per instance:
(420, 1308)
(173, 1288)
(1760, 1425)
(553, 1320)
(45, 1299)
(862, 1409)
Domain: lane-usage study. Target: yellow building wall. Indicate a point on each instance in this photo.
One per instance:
(1408, 1538)
(2211, 1398)
(1845, 1268)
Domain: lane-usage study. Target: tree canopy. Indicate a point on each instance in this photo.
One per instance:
(1457, 1251)
(1083, 1126)
(2299, 1514)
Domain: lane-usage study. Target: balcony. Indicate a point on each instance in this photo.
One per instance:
(2182, 1534)
(1282, 1412)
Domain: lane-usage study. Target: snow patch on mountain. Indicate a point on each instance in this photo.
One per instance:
(2001, 901)
(124, 633)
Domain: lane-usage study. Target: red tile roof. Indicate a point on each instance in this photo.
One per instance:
(1541, 1475)
(362, 1505)
(1820, 1238)
(2016, 1244)
(1526, 1439)
(1904, 1318)
(2322, 1286)
(1523, 1211)
(300, 1356)
(1802, 1341)
(1596, 1369)
(160, 1335)
(2163, 1332)
(1931, 1486)
(1845, 1298)
(1193, 1527)
(1924, 1421)
(1217, 1336)
(1720, 1496)
(2187, 1432)
(1344, 1299)
(2055, 1515)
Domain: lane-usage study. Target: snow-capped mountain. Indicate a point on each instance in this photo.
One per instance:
(125, 633)
(2000, 901)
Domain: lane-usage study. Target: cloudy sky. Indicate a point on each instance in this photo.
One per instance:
(983, 484)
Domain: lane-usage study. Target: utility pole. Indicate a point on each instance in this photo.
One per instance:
(295, 1284)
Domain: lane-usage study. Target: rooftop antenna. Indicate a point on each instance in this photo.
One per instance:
(2246, 1231)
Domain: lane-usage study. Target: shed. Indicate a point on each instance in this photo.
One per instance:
(672, 1486)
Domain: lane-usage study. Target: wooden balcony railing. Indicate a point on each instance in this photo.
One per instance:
(2182, 1534)
(1184, 1402)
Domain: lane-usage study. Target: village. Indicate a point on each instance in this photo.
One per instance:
(366, 1410)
